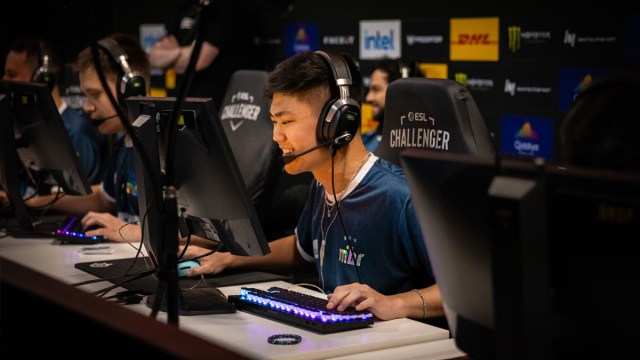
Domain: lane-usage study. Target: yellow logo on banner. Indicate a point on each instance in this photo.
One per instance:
(434, 70)
(475, 39)
(461, 78)
(514, 38)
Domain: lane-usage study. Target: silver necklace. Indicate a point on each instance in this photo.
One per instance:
(329, 207)
(324, 232)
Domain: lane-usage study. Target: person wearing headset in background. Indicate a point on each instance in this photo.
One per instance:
(384, 72)
(229, 31)
(118, 189)
(358, 226)
(38, 60)
(602, 128)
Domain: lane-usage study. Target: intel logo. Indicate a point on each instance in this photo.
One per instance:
(379, 41)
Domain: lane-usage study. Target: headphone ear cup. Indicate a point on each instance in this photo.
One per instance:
(346, 119)
(342, 115)
(45, 77)
(134, 86)
(323, 132)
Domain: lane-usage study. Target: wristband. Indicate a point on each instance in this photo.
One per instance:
(424, 303)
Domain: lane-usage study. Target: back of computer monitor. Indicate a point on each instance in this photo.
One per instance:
(42, 141)
(9, 164)
(212, 196)
(33, 133)
(594, 222)
(482, 232)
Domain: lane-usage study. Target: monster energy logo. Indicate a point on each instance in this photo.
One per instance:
(461, 78)
(514, 38)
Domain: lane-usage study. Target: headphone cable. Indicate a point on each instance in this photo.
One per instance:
(347, 237)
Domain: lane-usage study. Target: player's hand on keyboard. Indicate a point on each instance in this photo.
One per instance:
(110, 227)
(363, 297)
(211, 264)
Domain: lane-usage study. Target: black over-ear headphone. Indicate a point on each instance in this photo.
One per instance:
(338, 116)
(43, 74)
(131, 83)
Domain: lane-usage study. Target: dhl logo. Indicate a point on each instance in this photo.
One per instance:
(474, 39)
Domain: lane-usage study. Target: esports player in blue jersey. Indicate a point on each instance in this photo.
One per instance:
(37, 60)
(358, 226)
(115, 204)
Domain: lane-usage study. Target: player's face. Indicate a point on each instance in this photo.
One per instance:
(18, 67)
(97, 103)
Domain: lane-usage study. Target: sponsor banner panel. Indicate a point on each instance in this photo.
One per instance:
(572, 80)
(529, 88)
(591, 40)
(425, 40)
(474, 39)
(482, 81)
(380, 39)
(527, 39)
(527, 135)
(341, 37)
(300, 37)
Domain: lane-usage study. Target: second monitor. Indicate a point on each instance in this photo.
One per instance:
(212, 198)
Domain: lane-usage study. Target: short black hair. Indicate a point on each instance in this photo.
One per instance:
(307, 73)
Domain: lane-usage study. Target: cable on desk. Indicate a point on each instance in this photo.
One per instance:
(144, 273)
(102, 292)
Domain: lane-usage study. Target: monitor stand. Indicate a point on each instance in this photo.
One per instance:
(198, 301)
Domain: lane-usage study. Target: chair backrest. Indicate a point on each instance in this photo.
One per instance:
(433, 114)
(245, 118)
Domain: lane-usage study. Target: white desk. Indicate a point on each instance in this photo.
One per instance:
(242, 332)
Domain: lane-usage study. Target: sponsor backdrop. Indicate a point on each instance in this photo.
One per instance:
(524, 68)
(523, 71)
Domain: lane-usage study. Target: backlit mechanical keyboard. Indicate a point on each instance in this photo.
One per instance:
(298, 309)
(71, 232)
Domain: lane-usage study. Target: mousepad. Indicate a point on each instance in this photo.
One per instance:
(113, 271)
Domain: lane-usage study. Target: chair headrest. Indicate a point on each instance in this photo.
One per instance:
(432, 114)
(245, 118)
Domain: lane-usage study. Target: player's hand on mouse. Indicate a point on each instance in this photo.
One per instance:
(210, 264)
(110, 227)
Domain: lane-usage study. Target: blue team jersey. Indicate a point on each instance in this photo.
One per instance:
(86, 141)
(386, 250)
(120, 184)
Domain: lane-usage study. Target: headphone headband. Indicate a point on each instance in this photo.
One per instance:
(338, 116)
(341, 72)
(131, 83)
(43, 72)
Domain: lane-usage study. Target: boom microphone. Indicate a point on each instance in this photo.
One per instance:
(99, 121)
(342, 139)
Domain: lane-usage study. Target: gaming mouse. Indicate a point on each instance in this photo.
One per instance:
(184, 266)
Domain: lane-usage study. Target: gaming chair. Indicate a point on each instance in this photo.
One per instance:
(432, 114)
